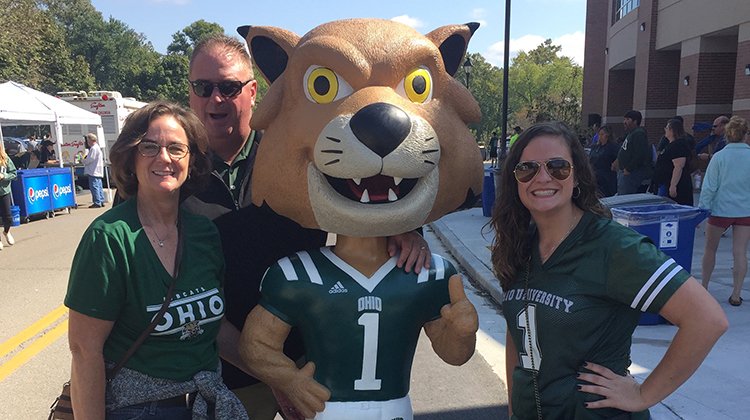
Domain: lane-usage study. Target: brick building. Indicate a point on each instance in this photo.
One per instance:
(666, 58)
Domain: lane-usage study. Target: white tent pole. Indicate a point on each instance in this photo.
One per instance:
(103, 145)
(58, 143)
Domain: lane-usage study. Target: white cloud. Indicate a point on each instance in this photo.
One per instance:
(478, 15)
(572, 46)
(409, 21)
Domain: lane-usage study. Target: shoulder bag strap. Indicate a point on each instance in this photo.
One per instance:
(158, 318)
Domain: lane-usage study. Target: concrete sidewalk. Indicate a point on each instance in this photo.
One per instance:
(718, 390)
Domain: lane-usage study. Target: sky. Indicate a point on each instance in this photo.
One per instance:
(532, 21)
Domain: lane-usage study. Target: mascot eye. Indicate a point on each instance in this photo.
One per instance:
(323, 85)
(417, 86)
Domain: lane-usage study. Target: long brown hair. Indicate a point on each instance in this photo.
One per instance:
(511, 219)
(3, 155)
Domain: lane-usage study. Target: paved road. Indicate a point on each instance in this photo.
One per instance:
(33, 367)
(34, 279)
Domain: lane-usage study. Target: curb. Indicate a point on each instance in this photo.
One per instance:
(476, 269)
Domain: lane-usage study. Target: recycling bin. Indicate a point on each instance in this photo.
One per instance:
(488, 192)
(15, 216)
(670, 226)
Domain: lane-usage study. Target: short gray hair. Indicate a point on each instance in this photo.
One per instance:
(224, 43)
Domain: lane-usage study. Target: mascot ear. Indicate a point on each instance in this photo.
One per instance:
(452, 41)
(270, 48)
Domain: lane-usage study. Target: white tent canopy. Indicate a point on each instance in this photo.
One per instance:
(22, 105)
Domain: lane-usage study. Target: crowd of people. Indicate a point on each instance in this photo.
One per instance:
(185, 176)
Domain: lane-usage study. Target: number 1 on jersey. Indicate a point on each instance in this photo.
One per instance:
(529, 338)
(368, 382)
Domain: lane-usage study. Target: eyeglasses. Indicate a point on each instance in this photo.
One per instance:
(177, 151)
(557, 168)
(227, 88)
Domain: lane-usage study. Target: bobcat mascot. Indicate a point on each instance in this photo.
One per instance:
(366, 137)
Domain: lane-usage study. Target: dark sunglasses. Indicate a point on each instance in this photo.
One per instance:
(176, 151)
(227, 88)
(557, 168)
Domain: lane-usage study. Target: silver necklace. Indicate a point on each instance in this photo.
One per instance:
(158, 239)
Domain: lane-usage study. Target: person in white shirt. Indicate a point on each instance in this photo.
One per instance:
(93, 167)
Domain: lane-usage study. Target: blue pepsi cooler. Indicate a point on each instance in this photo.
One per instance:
(31, 191)
(488, 192)
(671, 227)
(61, 188)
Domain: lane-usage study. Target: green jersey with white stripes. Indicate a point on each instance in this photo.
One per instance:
(361, 332)
(584, 304)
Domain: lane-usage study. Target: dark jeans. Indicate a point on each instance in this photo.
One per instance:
(151, 411)
(633, 182)
(5, 211)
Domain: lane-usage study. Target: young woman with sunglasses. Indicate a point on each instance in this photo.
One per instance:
(127, 262)
(575, 283)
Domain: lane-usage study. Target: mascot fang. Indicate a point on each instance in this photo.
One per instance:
(365, 136)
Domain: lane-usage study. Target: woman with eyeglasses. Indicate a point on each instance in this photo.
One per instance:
(726, 194)
(671, 172)
(575, 284)
(129, 262)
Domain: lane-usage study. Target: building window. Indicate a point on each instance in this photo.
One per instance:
(623, 7)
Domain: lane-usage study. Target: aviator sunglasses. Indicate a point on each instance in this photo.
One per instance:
(557, 168)
(176, 151)
(227, 88)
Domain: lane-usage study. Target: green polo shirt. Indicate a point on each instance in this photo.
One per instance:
(233, 174)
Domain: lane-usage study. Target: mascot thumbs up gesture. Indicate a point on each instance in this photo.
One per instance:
(366, 137)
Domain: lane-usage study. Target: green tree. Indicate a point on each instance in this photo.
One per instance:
(545, 86)
(119, 58)
(39, 58)
(486, 85)
(185, 40)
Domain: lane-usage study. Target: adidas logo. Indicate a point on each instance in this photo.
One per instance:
(337, 288)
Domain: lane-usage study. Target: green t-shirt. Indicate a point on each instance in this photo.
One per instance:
(512, 140)
(233, 174)
(584, 304)
(360, 332)
(117, 276)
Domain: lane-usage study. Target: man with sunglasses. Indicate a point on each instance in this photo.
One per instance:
(222, 94)
(634, 158)
(714, 142)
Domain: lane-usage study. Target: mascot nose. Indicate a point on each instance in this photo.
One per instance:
(381, 127)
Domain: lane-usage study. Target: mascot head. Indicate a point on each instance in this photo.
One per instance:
(365, 127)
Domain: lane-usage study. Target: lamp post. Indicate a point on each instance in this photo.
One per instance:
(506, 65)
(467, 70)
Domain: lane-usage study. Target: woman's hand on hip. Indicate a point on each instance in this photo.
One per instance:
(622, 392)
